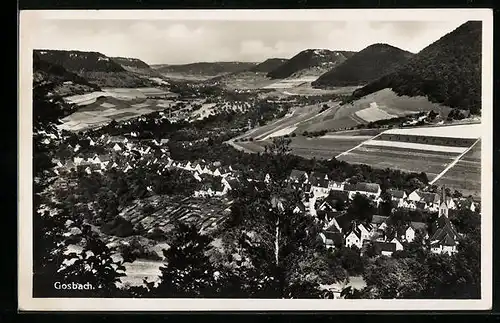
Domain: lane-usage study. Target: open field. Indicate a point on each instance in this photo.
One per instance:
(319, 148)
(391, 103)
(290, 83)
(465, 131)
(120, 93)
(373, 114)
(424, 149)
(383, 104)
(465, 176)
(300, 114)
(108, 108)
(323, 148)
(245, 80)
(405, 161)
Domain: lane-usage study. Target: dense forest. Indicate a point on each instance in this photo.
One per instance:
(45, 72)
(448, 71)
(365, 66)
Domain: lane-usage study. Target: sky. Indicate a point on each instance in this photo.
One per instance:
(181, 42)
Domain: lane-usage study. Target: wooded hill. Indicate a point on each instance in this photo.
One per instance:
(365, 66)
(205, 68)
(310, 58)
(448, 71)
(135, 65)
(93, 66)
(269, 65)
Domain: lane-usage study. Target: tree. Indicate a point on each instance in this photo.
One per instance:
(187, 271)
(393, 278)
(361, 209)
(465, 220)
(278, 151)
(386, 205)
(350, 259)
(93, 265)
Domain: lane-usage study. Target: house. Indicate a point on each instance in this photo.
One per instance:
(217, 172)
(335, 186)
(117, 147)
(387, 248)
(353, 238)
(333, 200)
(105, 160)
(318, 176)
(397, 195)
(331, 238)
(197, 168)
(319, 187)
(406, 233)
(298, 176)
(444, 240)
(229, 184)
(365, 231)
(409, 235)
(371, 190)
(472, 206)
(379, 223)
(430, 199)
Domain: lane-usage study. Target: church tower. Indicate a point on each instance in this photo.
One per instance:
(443, 206)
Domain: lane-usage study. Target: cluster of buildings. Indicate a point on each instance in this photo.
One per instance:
(328, 199)
(387, 238)
(116, 152)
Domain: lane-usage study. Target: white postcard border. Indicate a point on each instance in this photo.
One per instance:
(32, 19)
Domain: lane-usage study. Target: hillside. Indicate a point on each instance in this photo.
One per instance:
(93, 66)
(448, 71)
(310, 62)
(268, 65)
(203, 70)
(57, 79)
(136, 66)
(365, 66)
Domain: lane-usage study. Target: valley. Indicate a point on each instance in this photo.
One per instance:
(327, 166)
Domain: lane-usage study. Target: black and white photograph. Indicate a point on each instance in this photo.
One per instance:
(255, 160)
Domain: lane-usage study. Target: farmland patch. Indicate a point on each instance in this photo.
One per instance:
(415, 146)
(465, 131)
(374, 113)
(107, 105)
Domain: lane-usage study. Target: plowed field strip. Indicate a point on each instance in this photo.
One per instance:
(385, 152)
(401, 162)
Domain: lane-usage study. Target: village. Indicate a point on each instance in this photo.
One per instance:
(323, 199)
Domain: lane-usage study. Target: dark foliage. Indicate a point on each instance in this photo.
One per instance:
(268, 65)
(306, 59)
(448, 71)
(365, 66)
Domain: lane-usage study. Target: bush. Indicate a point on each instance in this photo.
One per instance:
(135, 249)
(294, 134)
(119, 227)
